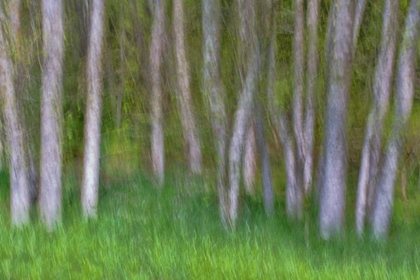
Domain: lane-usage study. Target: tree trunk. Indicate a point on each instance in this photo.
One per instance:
(51, 117)
(213, 91)
(311, 85)
(184, 95)
(404, 99)
(249, 160)
(245, 28)
(241, 120)
(333, 187)
(19, 82)
(157, 143)
(381, 92)
(19, 184)
(93, 111)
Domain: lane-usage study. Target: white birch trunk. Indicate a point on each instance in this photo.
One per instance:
(241, 120)
(51, 116)
(382, 210)
(157, 141)
(19, 183)
(191, 136)
(249, 165)
(381, 93)
(333, 187)
(90, 182)
(311, 85)
(213, 92)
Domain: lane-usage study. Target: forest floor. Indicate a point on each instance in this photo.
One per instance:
(175, 233)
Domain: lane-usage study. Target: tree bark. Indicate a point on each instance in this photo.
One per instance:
(19, 183)
(213, 91)
(374, 127)
(51, 117)
(191, 136)
(311, 85)
(332, 198)
(93, 111)
(381, 216)
(241, 120)
(249, 160)
(157, 143)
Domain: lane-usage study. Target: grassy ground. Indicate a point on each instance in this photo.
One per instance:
(144, 233)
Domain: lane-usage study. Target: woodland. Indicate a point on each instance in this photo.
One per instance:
(209, 139)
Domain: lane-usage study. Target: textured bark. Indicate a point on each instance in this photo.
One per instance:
(19, 183)
(158, 156)
(246, 23)
(333, 187)
(311, 82)
(298, 63)
(381, 93)
(213, 91)
(90, 182)
(19, 82)
(241, 120)
(249, 160)
(51, 116)
(191, 136)
(402, 108)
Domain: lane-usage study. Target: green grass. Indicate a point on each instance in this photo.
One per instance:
(175, 233)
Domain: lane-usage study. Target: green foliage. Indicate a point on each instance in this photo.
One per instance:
(144, 233)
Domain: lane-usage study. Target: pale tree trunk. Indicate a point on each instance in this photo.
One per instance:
(213, 91)
(19, 81)
(241, 119)
(381, 93)
(243, 114)
(311, 82)
(51, 116)
(157, 141)
(381, 216)
(93, 111)
(19, 183)
(333, 186)
(249, 160)
(246, 23)
(191, 136)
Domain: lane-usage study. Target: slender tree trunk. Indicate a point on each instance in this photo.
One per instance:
(51, 117)
(19, 82)
(19, 183)
(382, 90)
(246, 22)
(404, 99)
(213, 91)
(93, 111)
(333, 187)
(241, 120)
(311, 82)
(157, 143)
(249, 160)
(184, 95)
